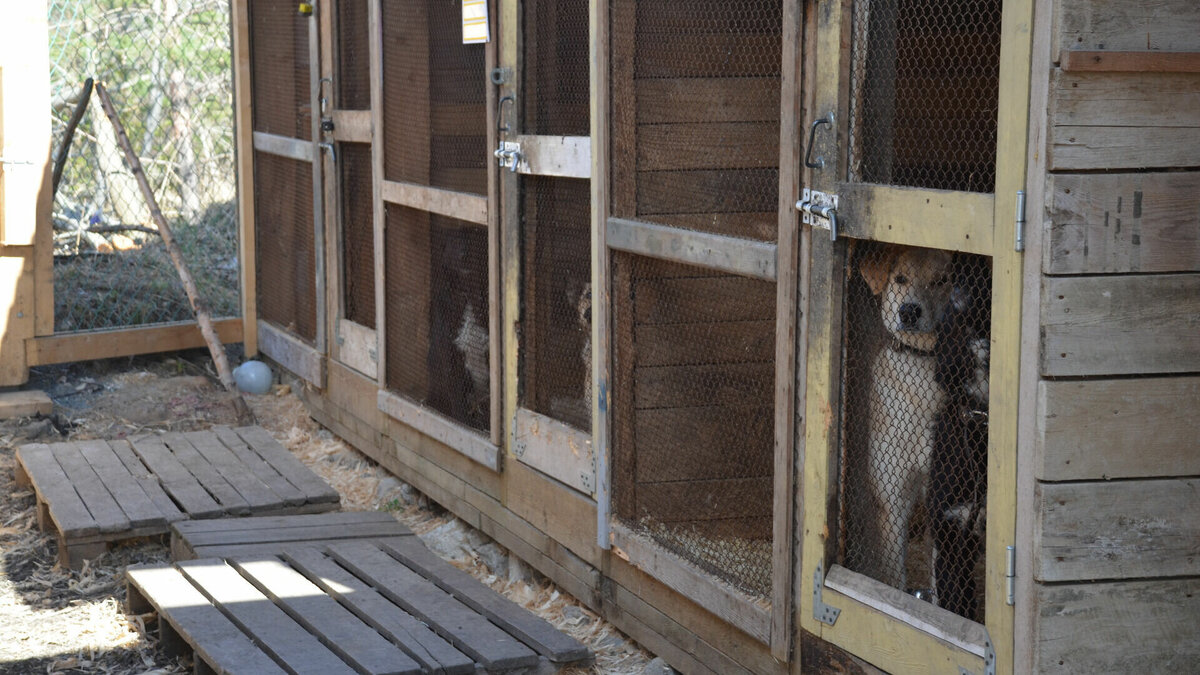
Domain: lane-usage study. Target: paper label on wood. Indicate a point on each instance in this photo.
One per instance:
(475, 22)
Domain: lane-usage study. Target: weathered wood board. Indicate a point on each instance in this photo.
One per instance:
(1119, 627)
(1120, 223)
(223, 538)
(1126, 325)
(1158, 25)
(1123, 428)
(1117, 530)
(94, 493)
(354, 607)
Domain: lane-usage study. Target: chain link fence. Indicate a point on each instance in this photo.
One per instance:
(167, 65)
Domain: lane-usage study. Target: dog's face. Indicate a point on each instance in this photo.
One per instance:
(914, 286)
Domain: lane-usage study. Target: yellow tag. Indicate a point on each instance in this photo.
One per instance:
(475, 22)
(306, 8)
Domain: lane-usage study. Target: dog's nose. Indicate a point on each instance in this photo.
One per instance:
(910, 314)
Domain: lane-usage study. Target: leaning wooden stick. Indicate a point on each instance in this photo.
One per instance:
(60, 159)
(203, 318)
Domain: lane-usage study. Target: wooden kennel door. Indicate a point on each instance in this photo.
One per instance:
(288, 204)
(346, 129)
(696, 302)
(918, 132)
(438, 334)
(545, 148)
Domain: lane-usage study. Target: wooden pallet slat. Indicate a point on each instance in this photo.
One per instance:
(104, 509)
(176, 480)
(54, 489)
(296, 534)
(291, 495)
(216, 485)
(530, 629)
(345, 634)
(136, 505)
(257, 494)
(150, 485)
(466, 630)
(286, 641)
(316, 490)
(414, 637)
(218, 642)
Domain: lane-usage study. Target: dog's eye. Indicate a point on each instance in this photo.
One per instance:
(901, 279)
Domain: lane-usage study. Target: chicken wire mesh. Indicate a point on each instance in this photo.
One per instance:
(695, 109)
(353, 61)
(281, 90)
(166, 64)
(434, 98)
(556, 312)
(283, 233)
(556, 87)
(693, 430)
(437, 334)
(914, 421)
(358, 233)
(924, 93)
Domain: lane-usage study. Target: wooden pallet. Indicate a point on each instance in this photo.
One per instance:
(380, 606)
(94, 493)
(272, 535)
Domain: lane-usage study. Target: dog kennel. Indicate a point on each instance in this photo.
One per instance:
(787, 335)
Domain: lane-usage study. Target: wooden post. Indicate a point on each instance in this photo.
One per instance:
(24, 182)
(203, 318)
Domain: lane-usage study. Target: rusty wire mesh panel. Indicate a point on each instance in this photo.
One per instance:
(353, 80)
(556, 87)
(924, 92)
(358, 233)
(167, 68)
(556, 310)
(695, 108)
(434, 98)
(283, 223)
(914, 421)
(280, 71)
(693, 414)
(437, 314)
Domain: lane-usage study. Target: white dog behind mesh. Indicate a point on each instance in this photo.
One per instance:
(914, 287)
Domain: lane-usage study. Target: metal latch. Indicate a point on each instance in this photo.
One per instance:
(820, 210)
(827, 614)
(509, 155)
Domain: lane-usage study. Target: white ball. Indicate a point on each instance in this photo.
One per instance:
(253, 377)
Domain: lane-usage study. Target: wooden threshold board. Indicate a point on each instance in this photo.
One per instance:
(371, 605)
(94, 493)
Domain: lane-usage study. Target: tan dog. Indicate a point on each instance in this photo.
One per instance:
(914, 289)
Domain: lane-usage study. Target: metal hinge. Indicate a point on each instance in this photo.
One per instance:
(827, 614)
(1019, 244)
(819, 210)
(1010, 575)
(989, 657)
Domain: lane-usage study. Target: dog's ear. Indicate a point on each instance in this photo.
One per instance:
(876, 267)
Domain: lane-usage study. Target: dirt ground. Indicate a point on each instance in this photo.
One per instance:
(58, 621)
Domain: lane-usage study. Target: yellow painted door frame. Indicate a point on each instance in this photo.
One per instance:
(870, 626)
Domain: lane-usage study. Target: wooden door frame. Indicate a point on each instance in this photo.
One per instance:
(350, 343)
(778, 262)
(866, 612)
(480, 210)
(539, 441)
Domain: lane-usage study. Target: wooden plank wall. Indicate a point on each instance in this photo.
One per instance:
(695, 140)
(1116, 552)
